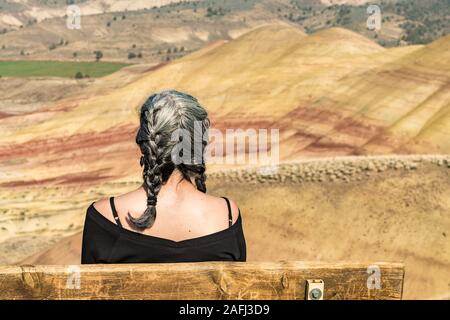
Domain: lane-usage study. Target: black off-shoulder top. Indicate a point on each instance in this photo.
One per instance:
(107, 242)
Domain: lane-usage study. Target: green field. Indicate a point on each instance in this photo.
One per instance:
(57, 68)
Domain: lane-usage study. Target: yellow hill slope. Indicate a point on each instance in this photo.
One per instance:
(406, 96)
(336, 42)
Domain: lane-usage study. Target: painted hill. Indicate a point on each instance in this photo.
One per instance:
(330, 93)
(274, 65)
(335, 42)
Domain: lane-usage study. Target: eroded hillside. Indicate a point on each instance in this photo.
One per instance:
(330, 93)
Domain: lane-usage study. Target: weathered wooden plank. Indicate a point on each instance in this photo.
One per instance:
(205, 280)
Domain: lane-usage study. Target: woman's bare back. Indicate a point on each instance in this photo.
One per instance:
(183, 212)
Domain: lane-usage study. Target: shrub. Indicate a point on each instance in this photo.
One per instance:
(98, 55)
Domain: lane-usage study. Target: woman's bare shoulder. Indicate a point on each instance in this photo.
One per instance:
(219, 204)
(103, 207)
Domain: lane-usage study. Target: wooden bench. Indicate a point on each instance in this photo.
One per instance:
(205, 280)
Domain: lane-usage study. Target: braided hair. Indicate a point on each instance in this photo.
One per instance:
(161, 116)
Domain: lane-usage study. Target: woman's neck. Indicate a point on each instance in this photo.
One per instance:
(176, 187)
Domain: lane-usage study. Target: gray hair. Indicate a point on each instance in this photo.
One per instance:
(161, 116)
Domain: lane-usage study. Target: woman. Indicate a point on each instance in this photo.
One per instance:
(167, 219)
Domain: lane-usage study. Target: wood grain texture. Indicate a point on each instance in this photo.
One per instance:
(205, 280)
